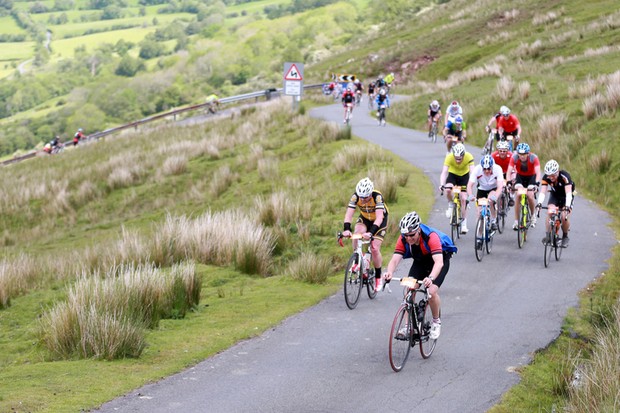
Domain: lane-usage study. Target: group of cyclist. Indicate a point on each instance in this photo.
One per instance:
(55, 145)
(486, 179)
(378, 93)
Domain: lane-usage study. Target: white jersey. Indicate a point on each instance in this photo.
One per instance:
(486, 183)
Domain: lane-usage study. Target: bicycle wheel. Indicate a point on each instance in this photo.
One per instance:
(370, 283)
(549, 246)
(400, 339)
(479, 239)
(459, 221)
(353, 281)
(522, 228)
(454, 228)
(488, 234)
(501, 212)
(557, 246)
(371, 105)
(427, 346)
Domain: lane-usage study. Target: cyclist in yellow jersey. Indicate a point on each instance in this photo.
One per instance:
(457, 166)
(214, 102)
(372, 221)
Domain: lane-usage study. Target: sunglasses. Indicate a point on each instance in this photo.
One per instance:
(410, 235)
(487, 169)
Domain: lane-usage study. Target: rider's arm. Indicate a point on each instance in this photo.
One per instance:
(377, 224)
(443, 176)
(348, 216)
(392, 265)
(538, 176)
(437, 266)
(471, 185)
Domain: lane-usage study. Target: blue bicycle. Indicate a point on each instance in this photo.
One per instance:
(484, 233)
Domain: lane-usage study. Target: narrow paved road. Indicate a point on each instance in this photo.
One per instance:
(329, 359)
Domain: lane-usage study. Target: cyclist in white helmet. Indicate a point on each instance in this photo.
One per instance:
(431, 262)
(487, 180)
(560, 186)
(433, 114)
(458, 165)
(372, 221)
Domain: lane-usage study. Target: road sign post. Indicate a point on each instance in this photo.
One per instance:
(294, 80)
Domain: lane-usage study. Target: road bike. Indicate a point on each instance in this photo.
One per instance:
(348, 112)
(456, 220)
(484, 233)
(525, 215)
(358, 98)
(412, 324)
(488, 146)
(381, 114)
(553, 238)
(433, 133)
(359, 271)
(371, 101)
(503, 206)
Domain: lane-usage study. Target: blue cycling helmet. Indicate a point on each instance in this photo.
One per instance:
(458, 119)
(487, 162)
(523, 148)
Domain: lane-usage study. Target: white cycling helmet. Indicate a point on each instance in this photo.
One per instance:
(364, 188)
(504, 110)
(503, 146)
(458, 149)
(434, 105)
(382, 92)
(552, 167)
(409, 223)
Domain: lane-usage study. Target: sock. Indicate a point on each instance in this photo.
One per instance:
(378, 272)
(436, 320)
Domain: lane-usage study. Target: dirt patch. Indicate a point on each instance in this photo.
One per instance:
(406, 69)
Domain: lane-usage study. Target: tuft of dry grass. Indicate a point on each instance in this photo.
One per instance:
(175, 165)
(595, 105)
(505, 87)
(282, 209)
(524, 90)
(356, 156)
(221, 180)
(310, 267)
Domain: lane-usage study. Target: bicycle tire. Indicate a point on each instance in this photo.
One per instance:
(459, 221)
(501, 213)
(522, 228)
(479, 239)
(558, 248)
(488, 238)
(371, 103)
(370, 284)
(353, 282)
(427, 346)
(549, 246)
(454, 226)
(400, 346)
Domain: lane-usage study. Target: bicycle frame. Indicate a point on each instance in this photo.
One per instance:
(434, 131)
(359, 271)
(484, 235)
(411, 324)
(554, 240)
(456, 220)
(525, 215)
(347, 112)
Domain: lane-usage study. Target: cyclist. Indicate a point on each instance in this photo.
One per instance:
(527, 168)
(453, 109)
(434, 114)
(560, 186)
(359, 90)
(382, 99)
(213, 102)
(487, 178)
(372, 221)
(430, 265)
(507, 124)
(348, 100)
(455, 127)
(502, 158)
(78, 135)
(381, 84)
(389, 79)
(457, 168)
(371, 91)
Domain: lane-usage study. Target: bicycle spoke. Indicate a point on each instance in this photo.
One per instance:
(400, 339)
(427, 346)
(352, 281)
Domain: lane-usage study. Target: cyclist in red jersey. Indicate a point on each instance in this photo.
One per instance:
(527, 168)
(348, 99)
(508, 124)
(501, 156)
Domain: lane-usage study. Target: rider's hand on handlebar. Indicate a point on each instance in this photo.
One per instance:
(366, 235)
(471, 198)
(346, 234)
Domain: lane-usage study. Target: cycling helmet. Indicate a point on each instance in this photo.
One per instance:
(348, 89)
(504, 110)
(382, 92)
(80, 130)
(434, 105)
(364, 188)
(503, 146)
(486, 162)
(409, 223)
(552, 167)
(523, 148)
(458, 149)
(458, 119)
(454, 103)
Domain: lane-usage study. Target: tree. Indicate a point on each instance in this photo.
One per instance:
(129, 66)
(150, 49)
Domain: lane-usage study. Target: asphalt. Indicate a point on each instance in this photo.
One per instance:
(495, 315)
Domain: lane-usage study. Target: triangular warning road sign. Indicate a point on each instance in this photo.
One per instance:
(293, 74)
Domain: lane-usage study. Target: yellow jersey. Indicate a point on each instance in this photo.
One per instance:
(459, 169)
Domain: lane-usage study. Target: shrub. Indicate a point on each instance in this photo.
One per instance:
(310, 268)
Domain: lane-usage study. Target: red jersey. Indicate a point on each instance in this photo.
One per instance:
(434, 244)
(501, 162)
(525, 168)
(510, 124)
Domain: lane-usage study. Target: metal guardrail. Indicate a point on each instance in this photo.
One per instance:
(267, 93)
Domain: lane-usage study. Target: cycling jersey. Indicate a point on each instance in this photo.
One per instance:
(459, 169)
(382, 100)
(389, 79)
(502, 162)
(453, 128)
(419, 252)
(454, 110)
(526, 168)
(558, 188)
(486, 182)
(359, 87)
(371, 88)
(509, 124)
(432, 112)
(368, 209)
(348, 97)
